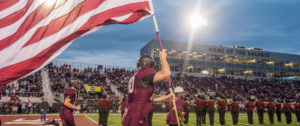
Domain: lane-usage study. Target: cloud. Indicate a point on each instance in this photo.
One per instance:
(269, 24)
(109, 58)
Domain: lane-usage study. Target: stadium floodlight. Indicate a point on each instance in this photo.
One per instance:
(196, 20)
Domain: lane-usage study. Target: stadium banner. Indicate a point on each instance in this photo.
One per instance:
(92, 88)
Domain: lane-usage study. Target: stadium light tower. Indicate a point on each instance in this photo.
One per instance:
(195, 21)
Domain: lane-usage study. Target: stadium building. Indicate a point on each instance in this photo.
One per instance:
(236, 61)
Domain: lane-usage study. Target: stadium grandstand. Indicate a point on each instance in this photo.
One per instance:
(27, 93)
(206, 74)
(235, 61)
(171, 83)
(230, 71)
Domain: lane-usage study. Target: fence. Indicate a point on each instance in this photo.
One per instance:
(24, 94)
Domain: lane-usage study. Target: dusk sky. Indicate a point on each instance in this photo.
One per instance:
(273, 25)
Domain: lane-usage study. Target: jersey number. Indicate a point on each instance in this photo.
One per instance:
(131, 85)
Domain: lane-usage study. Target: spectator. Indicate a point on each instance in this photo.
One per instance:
(23, 108)
(35, 108)
(50, 106)
(29, 111)
(15, 106)
(44, 109)
(3, 108)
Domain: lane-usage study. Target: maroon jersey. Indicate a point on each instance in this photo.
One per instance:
(107, 104)
(210, 104)
(287, 107)
(186, 105)
(271, 106)
(140, 89)
(100, 103)
(278, 106)
(297, 106)
(9, 104)
(249, 105)
(259, 104)
(104, 104)
(235, 106)
(171, 117)
(12, 96)
(200, 103)
(221, 104)
(123, 105)
(16, 104)
(71, 94)
(65, 113)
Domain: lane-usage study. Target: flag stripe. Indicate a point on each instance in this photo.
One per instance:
(57, 53)
(14, 71)
(15, 16)
(25, 52)
(7, 3)
(56, 25)
(14, 8)
(14, 27)
(21, 69)
(31, 21)
(28, 34)
(53, 32)
(45, 32)
(18, 44)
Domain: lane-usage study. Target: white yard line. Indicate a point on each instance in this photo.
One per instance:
(91, 120)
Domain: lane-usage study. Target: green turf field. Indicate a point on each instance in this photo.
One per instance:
(159, 119)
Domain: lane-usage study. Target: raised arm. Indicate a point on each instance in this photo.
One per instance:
(165, 72)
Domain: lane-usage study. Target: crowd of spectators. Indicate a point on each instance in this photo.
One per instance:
(119, 77)
(262, 88)
(30, 86)
(230, 87)
(227, 87)
(59, 75)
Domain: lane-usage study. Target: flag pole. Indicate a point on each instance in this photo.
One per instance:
(161, 49)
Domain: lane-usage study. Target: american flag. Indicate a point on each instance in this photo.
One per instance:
(34, 32)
